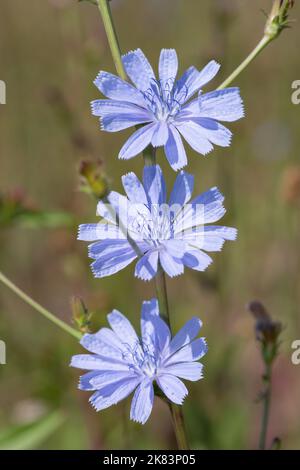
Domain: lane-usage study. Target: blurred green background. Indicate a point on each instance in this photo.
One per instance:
(50, 52)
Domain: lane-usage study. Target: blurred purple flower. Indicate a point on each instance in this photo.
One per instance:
(171, 233)
(164, 107)
(121, 363)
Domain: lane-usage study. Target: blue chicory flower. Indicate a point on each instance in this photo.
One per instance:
(121, 363)
(172, 234)
(165, 108)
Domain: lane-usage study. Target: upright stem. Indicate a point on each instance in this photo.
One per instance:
(257, 50)
(266, 407)
(112, 38)
(43, 311)
(149, 155)
(149, 159)
(176, 411)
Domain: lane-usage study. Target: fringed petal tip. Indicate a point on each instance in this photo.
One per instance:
(206, 152)
(139, 421)
(99, 77)
(234, 232)
(143, 277)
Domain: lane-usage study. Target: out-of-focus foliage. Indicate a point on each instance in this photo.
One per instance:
(15, 210)
(30, 435)
(50, 53)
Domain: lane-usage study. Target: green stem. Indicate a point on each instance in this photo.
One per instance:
(149, 155)
(43, 311)
(257, 50)
(149, 159)
(112, 38)
(266, 407)
(176, 411)
(105, 11)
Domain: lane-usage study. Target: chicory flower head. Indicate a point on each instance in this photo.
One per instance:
(120, 362)
(170, 233)
(165, 108)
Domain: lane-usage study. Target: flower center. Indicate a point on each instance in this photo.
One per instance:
(156, 225)
(161, 100)
(142, 360)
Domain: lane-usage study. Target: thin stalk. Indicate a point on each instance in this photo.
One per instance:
(112, 38)
(149, 155)
(43, 311)
(257, 50)
(266, 407)
(176, 411)
(105, 11)
(149, 159)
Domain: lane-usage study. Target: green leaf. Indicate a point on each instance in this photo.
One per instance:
(31, 435)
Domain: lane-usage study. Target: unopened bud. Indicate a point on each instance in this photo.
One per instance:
(80, 314)
(266, 329)
(94, 180)
(278, 18)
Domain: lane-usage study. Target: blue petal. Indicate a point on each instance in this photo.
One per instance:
(117, 89)
(174, 150)
(118, 122)
(182, 190)
(196, 259)
(193, 134)
(95, 362)
(212, 130)
(104, 343)
(154, 184)
(137, 142)
(84, 380)
(156, 334)
(191, 352)
(134, 189)
(107, 107)
(172, 387)
(161, 135)
(142, 402)
(210, 238)
(116, 203)
(123, 328)
(112, 263)
(113, 393)
(205, 208)
(175, 247)
(149, 307)
(100, 231)
(106, 249)
(186, 370)
(102, 379)
(185, 335)
(208, 73)
(146, 267)
(223, 105)
(192, 80)
(228, 233)
(138, 69)
(173, 267)
(168, 66)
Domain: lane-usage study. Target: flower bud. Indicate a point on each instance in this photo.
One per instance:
(94, 180)
(278, 18)
(80, 314)
(266, 329)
